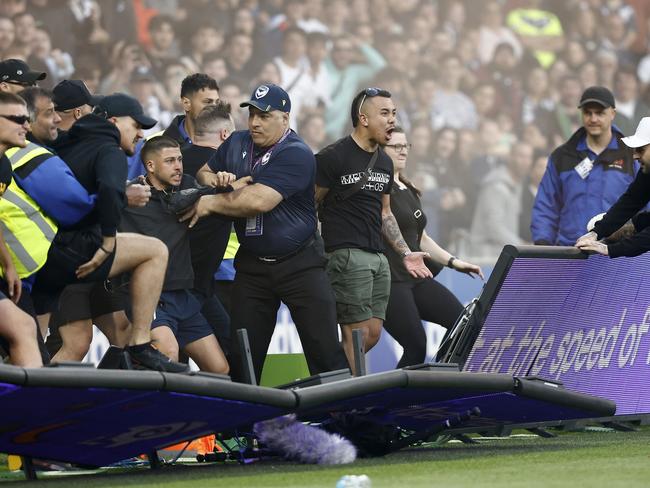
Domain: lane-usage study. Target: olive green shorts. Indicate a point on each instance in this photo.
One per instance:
(361, 284)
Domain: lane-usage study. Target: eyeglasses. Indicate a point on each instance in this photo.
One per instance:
(399, 147)
(16, 119)
(372, 92)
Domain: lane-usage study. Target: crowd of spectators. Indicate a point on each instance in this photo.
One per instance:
(471, 80)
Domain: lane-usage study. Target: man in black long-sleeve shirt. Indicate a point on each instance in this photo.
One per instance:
(95, 148)
(626, 207)
(179, 324)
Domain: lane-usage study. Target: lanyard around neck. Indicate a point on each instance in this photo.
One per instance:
(266, 156)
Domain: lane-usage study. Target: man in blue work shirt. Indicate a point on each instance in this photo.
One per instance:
(584, 176)
(281, 257)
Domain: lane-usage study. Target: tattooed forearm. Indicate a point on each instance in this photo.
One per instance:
(392, 234)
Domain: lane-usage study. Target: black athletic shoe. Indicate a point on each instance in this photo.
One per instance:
(145, 356)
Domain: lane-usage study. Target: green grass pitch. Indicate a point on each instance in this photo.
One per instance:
(578, 459)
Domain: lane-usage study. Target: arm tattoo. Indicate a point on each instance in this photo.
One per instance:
(392, 234)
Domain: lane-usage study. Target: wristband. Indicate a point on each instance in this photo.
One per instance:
(105, 250)
(406, 253)
(450, 263)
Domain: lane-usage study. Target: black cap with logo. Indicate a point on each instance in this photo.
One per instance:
(18, 71)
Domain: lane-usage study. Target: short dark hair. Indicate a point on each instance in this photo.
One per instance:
(7, 98)
(360, 98)
(196, 82)
(211, 114)
(156, 144)
(31, 94)
(157, 21)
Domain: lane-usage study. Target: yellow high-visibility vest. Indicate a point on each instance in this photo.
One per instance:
(233, 246)
(27, 230)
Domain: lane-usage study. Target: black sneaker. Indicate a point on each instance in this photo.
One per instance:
(145, 356)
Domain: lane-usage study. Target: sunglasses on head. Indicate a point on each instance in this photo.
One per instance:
(17, 119)
(373, 92)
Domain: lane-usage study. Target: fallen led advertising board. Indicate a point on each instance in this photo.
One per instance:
(98, 417)
(557, 314)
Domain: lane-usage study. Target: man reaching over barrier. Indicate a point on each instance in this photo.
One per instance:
(626, 207)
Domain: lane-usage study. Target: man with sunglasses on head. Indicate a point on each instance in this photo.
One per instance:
(18, 331)
(353, 184)
(280, 257)
(610, 235)
(15, 75)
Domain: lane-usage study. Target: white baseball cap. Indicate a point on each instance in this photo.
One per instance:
(642, 135)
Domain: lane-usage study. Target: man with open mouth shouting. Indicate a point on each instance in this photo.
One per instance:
(353, 184)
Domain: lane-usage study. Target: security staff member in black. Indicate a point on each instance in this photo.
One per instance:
(281, 257)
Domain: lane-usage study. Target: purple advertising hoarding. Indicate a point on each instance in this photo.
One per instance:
(584, 322)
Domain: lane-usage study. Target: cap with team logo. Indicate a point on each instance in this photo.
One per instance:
(269, 97)
(18, 70)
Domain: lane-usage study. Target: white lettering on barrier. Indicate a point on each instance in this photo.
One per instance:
(579, 350)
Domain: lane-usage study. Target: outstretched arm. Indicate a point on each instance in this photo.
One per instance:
(443, 257)
(247, 201)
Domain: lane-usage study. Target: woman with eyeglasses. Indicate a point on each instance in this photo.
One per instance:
(415, 299)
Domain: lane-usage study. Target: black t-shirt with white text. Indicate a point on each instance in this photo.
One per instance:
(355, 222)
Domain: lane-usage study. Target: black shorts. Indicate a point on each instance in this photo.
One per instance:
(83, 301)
(3, 296)
(69, 250)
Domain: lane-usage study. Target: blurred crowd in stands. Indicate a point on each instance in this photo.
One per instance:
(478, 84)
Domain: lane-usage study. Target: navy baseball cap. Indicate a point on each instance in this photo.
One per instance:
(121, 105)
(70, 94)
(269, 97)
(18, 70)
(597, 94)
